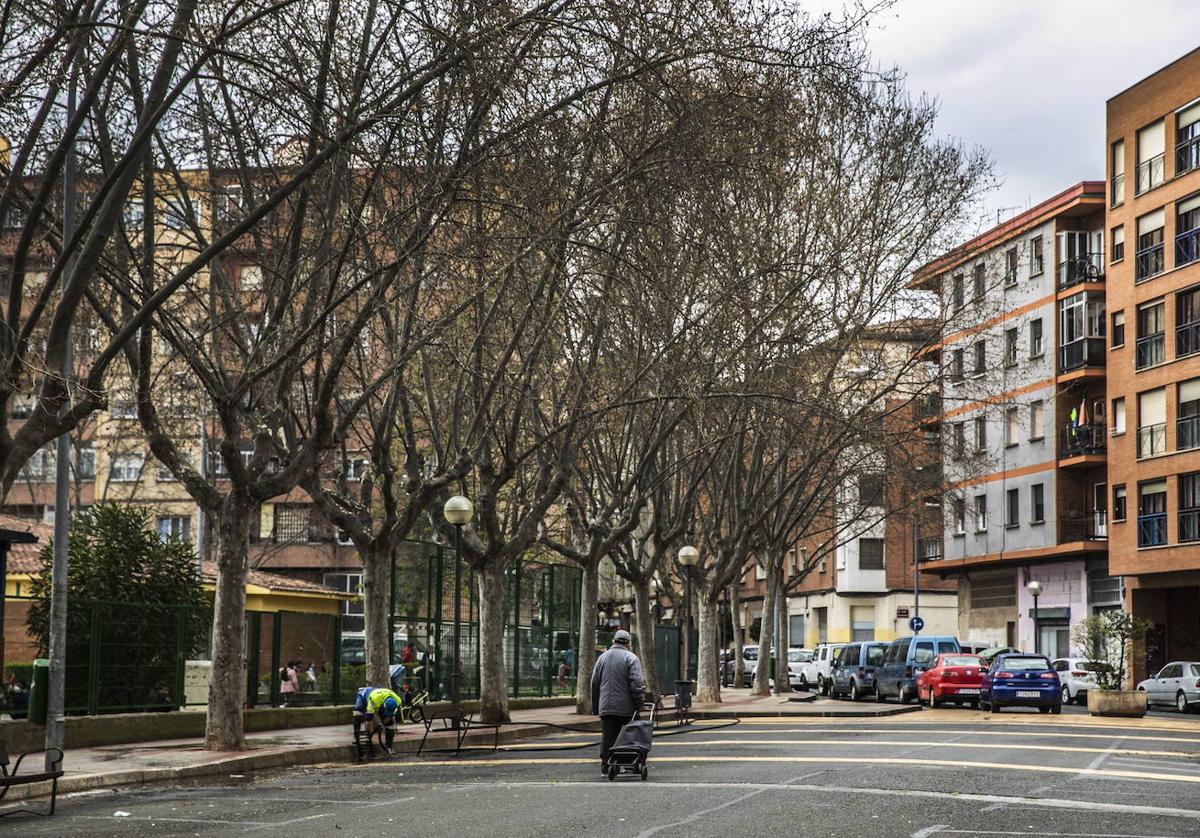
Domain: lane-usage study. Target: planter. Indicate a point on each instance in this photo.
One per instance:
(1127, 703)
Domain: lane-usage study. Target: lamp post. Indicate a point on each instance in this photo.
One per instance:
(1035, 590)
(687, 558)
(458, 511)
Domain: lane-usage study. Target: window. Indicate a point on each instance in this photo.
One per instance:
(1119, 502)
(175, 213)
(126, 468)
(870, 489)
(227, 205)
(956, 365)
(175, 526)
(870, 554)
(1037, 259)
(1037, 503)
(123, 409)
(1118, 413)
(1010, 266)
(354, 468)
(1082, 325)
(1151, 344)
(980, 433)
(1152, 419)
(1187, 322)
(1036, 346)
(1189, 507)
(1037, 420)
(1152, 513)
(981, 513)
(40, 465)
(352, 610)
(960, 516)
(1118, 328)
(1187, 139)
(979, 281)
(86, 461)
(1187, 418)
(958, 438)
(1150, 148)
(291, 524)
(250, 278)
(1012, 508)
(1118, 243)
(980, 350)
(1011, 336)
(1117, 166)
(959, 299)
(1012, 426)
(1149, 257)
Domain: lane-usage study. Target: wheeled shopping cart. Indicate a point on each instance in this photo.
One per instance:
(629, 752)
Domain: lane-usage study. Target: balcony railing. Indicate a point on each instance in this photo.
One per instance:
(1187, 433)
(1088, 438)
(1118, 189)
(1152, 440)
(1086, 267)
(1187, 155)
(1149, 262)
(1093, 527)
(1086, 352)
(1152, 529)
(931, 549)
(1187, 247)
(1150, 350)
(1150, 173)
(1189, 525)
(1187, 338)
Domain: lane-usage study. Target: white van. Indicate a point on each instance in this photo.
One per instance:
(816, 671)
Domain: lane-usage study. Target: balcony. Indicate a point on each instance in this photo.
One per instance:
(1150, 350)
(1118, 190)
(1149, 262)
(1187, 339)
(931, 549)
(1086, 267)
(1189, 525)
(1152, 440)
(1086, 352)
(1093, 527)
(1187, 247)
(1187, 155)
(1152, 529)
(1187, 433)
(1150, 173)
(1081, 440)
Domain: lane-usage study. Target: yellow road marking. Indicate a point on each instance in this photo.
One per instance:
(949, 732)
(1049, 769)
(898, 742)
(966, 717)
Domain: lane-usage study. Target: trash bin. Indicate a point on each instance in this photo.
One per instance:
(40, 683)
(683, 694)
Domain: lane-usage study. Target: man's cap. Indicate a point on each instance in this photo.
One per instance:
(622, 636)
(389, 706)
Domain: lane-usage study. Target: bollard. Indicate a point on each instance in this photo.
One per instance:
(38, 687)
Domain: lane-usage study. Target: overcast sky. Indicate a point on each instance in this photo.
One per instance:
(1029, 80)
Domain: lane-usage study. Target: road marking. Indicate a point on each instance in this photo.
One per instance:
(1144, 775)
(1105, 754)
(951, 732)
(936, 828)
(943, 829)
(980, 718)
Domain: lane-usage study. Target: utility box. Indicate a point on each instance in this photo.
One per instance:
(38, 687)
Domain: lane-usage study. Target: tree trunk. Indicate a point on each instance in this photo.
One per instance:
(589, 591)
(708, 679)
(225, 729)
(735, 615)
(766, 637)
(493, 681)
(784, 642)
(643, 623)
(377, 568)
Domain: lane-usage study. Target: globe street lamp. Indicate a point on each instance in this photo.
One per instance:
(1035, 590)
(688, 557)
(458, 511)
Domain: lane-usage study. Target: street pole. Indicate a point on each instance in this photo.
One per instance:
(687, 623)
(1037, 629)
(916, 562)
(454, 673)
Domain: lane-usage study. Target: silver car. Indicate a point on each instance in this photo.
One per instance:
(1177, 683)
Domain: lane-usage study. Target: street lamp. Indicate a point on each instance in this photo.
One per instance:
(1035, 590)
(687, 558)
(458, 511)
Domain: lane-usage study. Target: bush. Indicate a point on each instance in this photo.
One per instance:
(1111, 639)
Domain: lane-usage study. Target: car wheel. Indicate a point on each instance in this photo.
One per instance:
(995, 707)
(974, 704)
(1043, 710)
(1056, 710)
(905, 695)
(855, 695)
(1181, 702)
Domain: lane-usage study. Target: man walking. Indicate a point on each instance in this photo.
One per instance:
(617, 687)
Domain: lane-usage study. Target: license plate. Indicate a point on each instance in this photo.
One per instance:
(1028, 694)
(967, 691)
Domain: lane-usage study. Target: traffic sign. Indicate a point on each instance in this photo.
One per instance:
(916, 624)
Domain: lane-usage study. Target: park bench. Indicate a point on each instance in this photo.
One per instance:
(10, 777)
(447, 716)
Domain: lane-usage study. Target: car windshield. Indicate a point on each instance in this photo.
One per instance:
(798, 656)
(961, 660)
(750, 654)
(1030, 664)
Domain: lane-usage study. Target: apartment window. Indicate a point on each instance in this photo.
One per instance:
(1151, 344)
(1012, 426)
(250, 278)
(227, 205)
(870, 489)
(1118, 243)
(1037, 503)
(956, 365)
(1187, 230)
(175, 526)
(1187, 416)
(1037, 421)
(1118, 328)
(175, 213)
(123, 409)
(1010, 347)
(1152, 513)
(40, 465)
(1152, 423)
(960, 516)
(1081, 331)
(980, 350)
(981, 513)
(1118, 413)
(958, 437)
(1149, 258)
(1037, 257)
(1189, 507)
(1036, 345)
(86, 461)
(1187, 322)
(1117, 188)
(291, 524)
(354, 468)
(1187, 139)
(1119, 502)
(979, 281)
(1012, 508)
(980, 433)
(870, 554)
(1150, 148)
(959, 298)
(126, 468)
(1010, 266)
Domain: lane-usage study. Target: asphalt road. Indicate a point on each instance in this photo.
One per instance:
(933, 773)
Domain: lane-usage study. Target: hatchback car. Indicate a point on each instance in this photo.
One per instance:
(853, 670)
(1019, 680)
(1077, 676)
(797, 658)
(1177, 683)
(956, 678)
(750, 661)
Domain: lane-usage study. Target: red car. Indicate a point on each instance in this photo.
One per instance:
(952, 678)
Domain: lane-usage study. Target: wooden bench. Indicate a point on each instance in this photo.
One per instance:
(10, 777)
(466, 723)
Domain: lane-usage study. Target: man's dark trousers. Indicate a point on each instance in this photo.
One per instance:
(611, 727)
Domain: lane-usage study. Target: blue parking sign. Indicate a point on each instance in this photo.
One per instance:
(916, 624)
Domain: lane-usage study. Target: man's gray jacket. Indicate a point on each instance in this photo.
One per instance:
(617, 683)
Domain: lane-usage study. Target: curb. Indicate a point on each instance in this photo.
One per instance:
(806, 713)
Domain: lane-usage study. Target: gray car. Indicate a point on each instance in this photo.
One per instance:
(749, 659)
(1177, 683)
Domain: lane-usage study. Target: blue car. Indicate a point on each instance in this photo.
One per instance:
(1021, 680)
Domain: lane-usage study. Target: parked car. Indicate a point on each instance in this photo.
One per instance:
(971, 648)
(750, 659)
(852, 673)
(1077, 676)
(989, 654)
(797, 658)
(1020, 680)
(816, 671)
(1176, 683)
(954, 678)
(905, 659)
